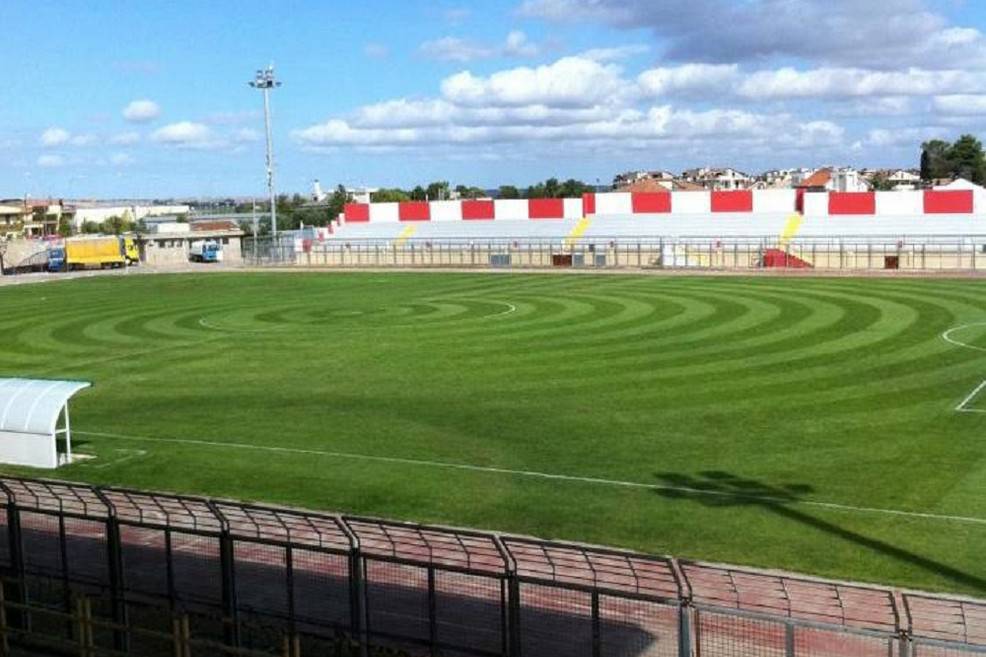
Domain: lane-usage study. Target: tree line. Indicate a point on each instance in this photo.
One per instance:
(296, 210)
(963, 158)
(441, 190)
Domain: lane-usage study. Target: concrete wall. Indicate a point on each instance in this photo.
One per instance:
(173, 250)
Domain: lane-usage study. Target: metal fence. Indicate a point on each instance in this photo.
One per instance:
(854, 253)
(108, 571)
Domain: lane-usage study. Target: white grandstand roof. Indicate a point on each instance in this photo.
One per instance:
(33, 405)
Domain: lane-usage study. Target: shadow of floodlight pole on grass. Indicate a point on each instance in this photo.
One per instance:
(722, 489)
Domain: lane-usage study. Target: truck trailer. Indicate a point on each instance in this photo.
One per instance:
(85, 252)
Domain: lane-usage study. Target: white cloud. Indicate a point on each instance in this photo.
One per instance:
(615, 53)
(789, 82)
(121, 159)
(82, 140)
(127, 138)
(912, 136)
(578, 103)
(839, 32)
(141, 111)
(455, 49)
(570, 81)
(960, 104)
(186, 134)
(517, 45)
(246, 135)
(55, 137)
(688, 78)
(51, 161)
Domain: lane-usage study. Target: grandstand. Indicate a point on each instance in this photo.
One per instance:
(920, 230)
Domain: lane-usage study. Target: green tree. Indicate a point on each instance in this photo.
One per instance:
(935, 159)
(389, 195)
(967, 159)
(469, 192)
(64, 227)
(438, 190)
(419, 194)
(508, 191)
(881, 183)
(90, 227)
(573, 188)
(117, 225)
(551, 188)
(337, 202)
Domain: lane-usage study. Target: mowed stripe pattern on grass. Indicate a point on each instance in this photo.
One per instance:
(834, 390)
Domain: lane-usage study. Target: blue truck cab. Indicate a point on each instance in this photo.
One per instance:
(56, 258)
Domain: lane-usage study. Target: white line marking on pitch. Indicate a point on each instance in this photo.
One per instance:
(946, 336)
(511, 308)
(961, 407)
(129, 455)
(537, 475)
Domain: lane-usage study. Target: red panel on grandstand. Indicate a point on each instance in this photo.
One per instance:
(546, 208)
(948, 202)
(357, 212)
(740, 200)
(776, 258)
(477, 210)
(651, 202)
(588, 204)
(413, 211)
(852, 203)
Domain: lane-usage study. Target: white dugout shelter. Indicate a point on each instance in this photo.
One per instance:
(33, 415)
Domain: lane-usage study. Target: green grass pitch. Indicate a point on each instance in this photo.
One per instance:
(818, 415)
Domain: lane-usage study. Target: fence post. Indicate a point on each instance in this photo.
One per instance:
(357, 599)
(513, 613)
(596, 631)
(684, 630)
(4, 643)
(231, 625)
(432, 613)
(19, 618)
(114, 554)
(789, 640)
(118, 600)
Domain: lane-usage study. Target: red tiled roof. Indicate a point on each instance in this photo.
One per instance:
(818, 179)
(648, 185)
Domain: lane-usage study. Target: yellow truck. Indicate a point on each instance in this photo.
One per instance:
(100, 252)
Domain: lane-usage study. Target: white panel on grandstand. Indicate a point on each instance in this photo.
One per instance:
(652, 226)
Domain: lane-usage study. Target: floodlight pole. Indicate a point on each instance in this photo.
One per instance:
(265, 82)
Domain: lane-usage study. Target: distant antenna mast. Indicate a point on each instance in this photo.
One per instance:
(265, 82)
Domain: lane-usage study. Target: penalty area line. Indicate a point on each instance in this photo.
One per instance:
(537, 475)
(961, 408)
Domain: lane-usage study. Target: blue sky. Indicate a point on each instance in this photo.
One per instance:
(150, 98)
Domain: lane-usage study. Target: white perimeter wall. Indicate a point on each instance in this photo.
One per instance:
(384, 212)
(774, 200)
(900, 203)
(445, 210)
(615, 203)
(573, 208)
(816, 204)
(510, 209)
(691, 202)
